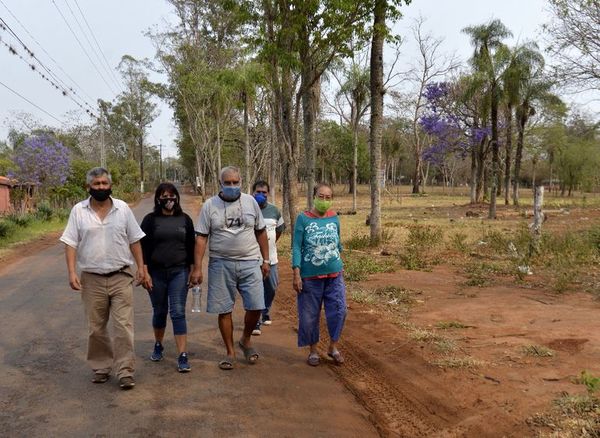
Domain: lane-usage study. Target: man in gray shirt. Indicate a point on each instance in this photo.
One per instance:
(232, 225)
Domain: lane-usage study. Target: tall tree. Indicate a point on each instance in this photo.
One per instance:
(574, 42)
(490, 59)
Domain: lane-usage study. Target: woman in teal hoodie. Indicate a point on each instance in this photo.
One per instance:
(318, 278)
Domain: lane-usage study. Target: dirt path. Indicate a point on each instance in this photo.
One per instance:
(45, 383)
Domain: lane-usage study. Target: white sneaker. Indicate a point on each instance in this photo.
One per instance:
(256, 332)
(267, 322)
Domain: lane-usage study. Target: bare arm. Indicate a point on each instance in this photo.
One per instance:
(136, 250)
(71, 256)
(199, 250)
(263, 244)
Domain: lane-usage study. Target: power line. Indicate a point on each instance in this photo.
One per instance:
(98, 44)
(90, 43)
(82, 47)
(64, 87)
(50, 78)
(30, 102)
(47, 54)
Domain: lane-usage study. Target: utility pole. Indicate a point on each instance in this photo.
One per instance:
(102, 146)
(160, 163)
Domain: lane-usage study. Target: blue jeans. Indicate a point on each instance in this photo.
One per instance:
(330, 292)
(270, 285)
(168, 295)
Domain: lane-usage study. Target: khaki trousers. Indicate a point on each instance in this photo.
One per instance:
(104, 297)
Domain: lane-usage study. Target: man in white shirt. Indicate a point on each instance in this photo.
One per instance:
(102, 238)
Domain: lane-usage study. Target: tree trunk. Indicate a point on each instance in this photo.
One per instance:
(538, 220)
(473, 182)
(519, 154)
(508, 157)
(375, 135)
(495, 152)
(355, 117)
(247, 163)
(308, 115)
(481, 170)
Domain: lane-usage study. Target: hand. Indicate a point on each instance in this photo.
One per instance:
(297, 282)
(140, 277)
(147, 284)
(196, 276)
(74, 281)
(265, 268)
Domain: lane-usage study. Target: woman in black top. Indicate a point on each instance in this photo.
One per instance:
(168, 258)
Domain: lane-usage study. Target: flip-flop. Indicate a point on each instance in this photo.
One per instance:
(337, 357)
(313, 359)
(249, 353)
(226, 364)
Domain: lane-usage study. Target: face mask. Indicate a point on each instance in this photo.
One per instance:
(167, 203)
(261, 199)
(100, 195)
(321, 205)
(230, 193)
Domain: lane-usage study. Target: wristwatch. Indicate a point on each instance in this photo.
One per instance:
(267, 261)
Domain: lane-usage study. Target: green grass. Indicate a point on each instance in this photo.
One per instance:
(33, 231)
(458, 362)
(358, 267)
(538, 351)
(445, 325)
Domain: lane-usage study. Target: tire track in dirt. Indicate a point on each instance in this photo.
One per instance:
(396, 408)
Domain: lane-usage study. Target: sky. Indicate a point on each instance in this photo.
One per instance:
(119, 27)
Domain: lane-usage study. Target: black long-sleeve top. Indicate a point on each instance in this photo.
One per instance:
(169, 241)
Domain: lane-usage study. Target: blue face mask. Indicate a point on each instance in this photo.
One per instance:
(231, 193)
(261, 198)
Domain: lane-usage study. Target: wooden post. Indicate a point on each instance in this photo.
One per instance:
(538, 220)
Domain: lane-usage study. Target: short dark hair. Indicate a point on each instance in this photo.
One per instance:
(170, 188)
(261, 183)
(319, 185)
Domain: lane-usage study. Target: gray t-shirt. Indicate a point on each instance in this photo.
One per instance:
(230, 227)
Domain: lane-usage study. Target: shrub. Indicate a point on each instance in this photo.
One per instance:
(6, 227)
(358, 267)
(420, 243)
(43, 212)
(20, 219)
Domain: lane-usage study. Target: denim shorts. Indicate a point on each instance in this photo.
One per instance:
(226, 277)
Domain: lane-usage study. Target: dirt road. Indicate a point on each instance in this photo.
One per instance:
(45, 387)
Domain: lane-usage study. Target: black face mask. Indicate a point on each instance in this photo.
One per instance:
(168, 203)
(100, 195)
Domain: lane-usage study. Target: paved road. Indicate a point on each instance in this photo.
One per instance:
(45, 387)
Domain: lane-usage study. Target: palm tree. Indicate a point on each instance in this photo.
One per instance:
(534, 89)
(522, 59)
(490, 60)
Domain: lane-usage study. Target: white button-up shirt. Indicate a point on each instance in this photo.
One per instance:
(102, 245)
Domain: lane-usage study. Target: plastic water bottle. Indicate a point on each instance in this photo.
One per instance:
(196, 298)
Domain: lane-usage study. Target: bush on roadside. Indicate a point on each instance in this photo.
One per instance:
(21, 219)
(44, 211)
(6, 227)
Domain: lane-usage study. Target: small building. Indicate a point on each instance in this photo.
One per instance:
(5, 185)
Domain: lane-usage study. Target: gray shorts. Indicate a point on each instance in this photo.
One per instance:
(226, 277)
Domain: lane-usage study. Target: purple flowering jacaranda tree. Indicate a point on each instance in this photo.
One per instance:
(42, 160)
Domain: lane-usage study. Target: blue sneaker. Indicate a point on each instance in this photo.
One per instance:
(182, 363)
(157, 354)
